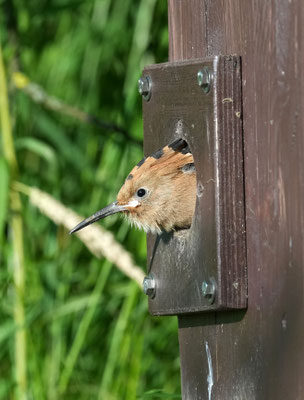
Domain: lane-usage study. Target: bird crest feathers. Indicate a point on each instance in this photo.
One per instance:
(170, 160)
(159, 192)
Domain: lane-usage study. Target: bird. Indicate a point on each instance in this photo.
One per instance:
(159, 194)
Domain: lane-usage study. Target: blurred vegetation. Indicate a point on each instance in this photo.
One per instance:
(71, 325)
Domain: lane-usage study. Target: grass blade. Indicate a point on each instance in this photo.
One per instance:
(4, 194)
(17, 239)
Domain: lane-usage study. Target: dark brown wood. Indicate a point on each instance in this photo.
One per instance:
(214, 246)
(257, 354)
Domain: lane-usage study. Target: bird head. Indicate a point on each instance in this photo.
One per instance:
(158, 194)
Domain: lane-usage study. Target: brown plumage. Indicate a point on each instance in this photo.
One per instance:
(159, 192)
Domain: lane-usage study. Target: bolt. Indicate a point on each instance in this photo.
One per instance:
(209, 290)
(149, 286)
(145, 87)
(204, 78)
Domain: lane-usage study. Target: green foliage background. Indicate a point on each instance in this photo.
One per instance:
(88, 331)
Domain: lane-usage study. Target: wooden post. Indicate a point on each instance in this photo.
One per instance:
(258, 353)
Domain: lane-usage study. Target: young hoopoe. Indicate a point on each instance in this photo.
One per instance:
(159, 193)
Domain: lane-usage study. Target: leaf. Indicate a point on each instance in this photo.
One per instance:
(6, 331)
(158, 394)
(57, 136)
(4, 191)
(38, 147)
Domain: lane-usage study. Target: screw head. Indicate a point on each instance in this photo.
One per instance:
(145, 87)
(204, 78)
(149, 286)
(209, 290)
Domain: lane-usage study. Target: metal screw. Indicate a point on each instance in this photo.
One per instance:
(149, 286)
(204, 78)
(209, 290)
(145, 87)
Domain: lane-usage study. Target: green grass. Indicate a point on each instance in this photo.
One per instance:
(71, 325)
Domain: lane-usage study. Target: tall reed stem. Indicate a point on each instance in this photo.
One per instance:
(17, 240)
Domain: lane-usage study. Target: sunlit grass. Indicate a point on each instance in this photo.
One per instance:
(88, 331)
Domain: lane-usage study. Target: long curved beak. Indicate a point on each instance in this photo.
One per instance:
(112, 208)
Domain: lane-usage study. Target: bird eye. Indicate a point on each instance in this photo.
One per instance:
(141, 192)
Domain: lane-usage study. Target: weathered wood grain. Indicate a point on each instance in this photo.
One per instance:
(256, 354)
(214, 246)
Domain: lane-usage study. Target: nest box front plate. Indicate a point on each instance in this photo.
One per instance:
(202, 268)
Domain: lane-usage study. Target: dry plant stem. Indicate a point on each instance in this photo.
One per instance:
(17, 240)
(99, 241)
